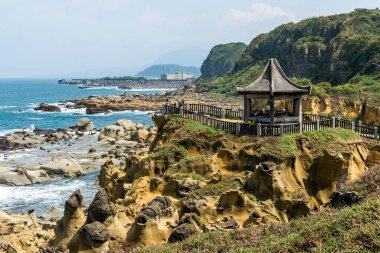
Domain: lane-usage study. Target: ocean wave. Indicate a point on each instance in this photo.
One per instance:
(43, 196)
(11, 131)
(7, 106)
(33, 105)
(122, 112)
(132, 90)
(35, 118)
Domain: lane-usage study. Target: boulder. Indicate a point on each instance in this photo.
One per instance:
(141, 135)
(182, 232)
(10, 177)
(99, 209)
(343, 199)
(35, 176)
(113, 132)
(91, 237)
(63, 167)
(47, 108)
(128, 125)
(23, 140)
(85, 124)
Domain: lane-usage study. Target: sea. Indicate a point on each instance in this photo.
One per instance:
(18, 98)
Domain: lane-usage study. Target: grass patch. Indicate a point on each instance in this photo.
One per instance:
(329, 136)
(280, 147)
(170, 152)
(227, 183)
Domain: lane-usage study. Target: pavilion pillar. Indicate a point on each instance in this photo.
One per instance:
(247, 108)
(298, 109)
(271, 111)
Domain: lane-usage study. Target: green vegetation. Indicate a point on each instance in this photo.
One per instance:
(362, 87)
(221, 60)
(194, 128)
(227, 183)
(331, 136)
(171, 153)
(339, 49)
(280, 147)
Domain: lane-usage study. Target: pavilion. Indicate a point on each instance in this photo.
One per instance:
(273, 99)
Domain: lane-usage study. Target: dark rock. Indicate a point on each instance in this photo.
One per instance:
(343, 199)
(182, 232)
(99, 209)
(95, 232)
(75, 200)
(154, 209)
(229, 224)
(47, 108)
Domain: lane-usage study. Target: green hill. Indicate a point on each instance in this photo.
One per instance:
(155, 71)
(338, 49)
(221, 60)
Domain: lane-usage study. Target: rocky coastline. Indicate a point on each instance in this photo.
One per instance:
(177, 181)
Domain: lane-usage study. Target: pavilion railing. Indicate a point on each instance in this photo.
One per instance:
(216, 117)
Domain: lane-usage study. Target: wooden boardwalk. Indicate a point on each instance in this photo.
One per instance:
(228, 120)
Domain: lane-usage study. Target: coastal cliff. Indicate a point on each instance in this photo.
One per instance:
(342, 107)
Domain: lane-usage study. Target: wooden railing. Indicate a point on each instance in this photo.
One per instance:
(213, 116)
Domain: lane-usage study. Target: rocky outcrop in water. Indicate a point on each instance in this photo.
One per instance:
(47, 108)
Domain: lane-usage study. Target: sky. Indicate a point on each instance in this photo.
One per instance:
(94, 38)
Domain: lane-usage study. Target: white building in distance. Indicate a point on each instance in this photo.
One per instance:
(176, 76)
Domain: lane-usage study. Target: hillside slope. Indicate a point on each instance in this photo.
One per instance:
(337, 49)
(221, 60)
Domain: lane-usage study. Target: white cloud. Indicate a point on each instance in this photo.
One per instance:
(257, 12)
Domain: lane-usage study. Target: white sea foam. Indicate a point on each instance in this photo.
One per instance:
(122, 112)
(36, 118)
(43, 196)
(133, 90)
(7, 106)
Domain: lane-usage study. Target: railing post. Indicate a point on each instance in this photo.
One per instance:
(195, 116)
(281, 129)
(237, 127)
(258, 129)
(219, 124)
(206, 120)
(333, 122)
(223, 112)
(360, 123)
(318, 126)
(353, 126)
(181, 112)
(300, 127)
(376, 133)
(165, 108)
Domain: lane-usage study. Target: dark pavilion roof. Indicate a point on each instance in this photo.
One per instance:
(273, 81)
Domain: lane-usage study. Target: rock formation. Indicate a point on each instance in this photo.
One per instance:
(72, 220)
(85, 124)
(47, 108)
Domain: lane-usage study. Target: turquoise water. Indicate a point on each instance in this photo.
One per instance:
(18, 97)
